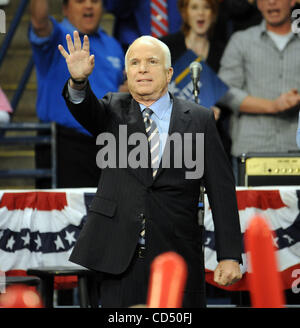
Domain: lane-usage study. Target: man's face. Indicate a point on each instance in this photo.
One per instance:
(85, 15)
(147, 76)
(276, 12)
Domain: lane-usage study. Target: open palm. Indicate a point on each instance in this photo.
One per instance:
(80, 62)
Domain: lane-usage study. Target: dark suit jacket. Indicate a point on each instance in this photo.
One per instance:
(109, 238)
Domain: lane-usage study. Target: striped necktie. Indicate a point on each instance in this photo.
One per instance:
(159, 18)
(153, 139)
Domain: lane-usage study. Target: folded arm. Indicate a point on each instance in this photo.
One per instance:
(233, 72)
(282, 103)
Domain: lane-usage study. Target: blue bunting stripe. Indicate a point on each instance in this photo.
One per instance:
(35, 241)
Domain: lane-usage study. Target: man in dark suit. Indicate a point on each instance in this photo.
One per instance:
(141, 211)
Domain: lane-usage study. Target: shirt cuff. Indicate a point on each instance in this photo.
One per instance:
(40, 40)
(233, 99)
(76, 96)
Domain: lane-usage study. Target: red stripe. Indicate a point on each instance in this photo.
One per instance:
(154, 34)
(159, 29)
(162, 20)
(159, 5)
(262, 199)
(42, 201)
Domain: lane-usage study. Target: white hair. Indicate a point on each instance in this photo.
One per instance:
(151, 39)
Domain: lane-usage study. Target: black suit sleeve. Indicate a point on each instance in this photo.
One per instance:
(91, 113)
(220, 189)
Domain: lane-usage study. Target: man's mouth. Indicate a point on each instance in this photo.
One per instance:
(144, 80)
(273, 12)
(88, 15)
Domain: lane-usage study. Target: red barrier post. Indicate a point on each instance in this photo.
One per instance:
(265, 284)
(167, 281)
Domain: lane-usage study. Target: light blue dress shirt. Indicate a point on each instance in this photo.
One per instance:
(162, 110)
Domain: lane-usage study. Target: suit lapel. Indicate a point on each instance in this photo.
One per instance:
(134, 120)
(180, 119)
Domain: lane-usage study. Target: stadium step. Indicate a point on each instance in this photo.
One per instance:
(11, 70)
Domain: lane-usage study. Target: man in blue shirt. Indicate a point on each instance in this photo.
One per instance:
(76, 149)
(133, 18)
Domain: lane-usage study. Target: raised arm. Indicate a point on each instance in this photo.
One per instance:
(79, 61)
(39, 15)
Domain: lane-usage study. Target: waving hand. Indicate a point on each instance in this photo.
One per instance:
(80, 62)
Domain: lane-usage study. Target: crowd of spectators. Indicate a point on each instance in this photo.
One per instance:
(250, 45)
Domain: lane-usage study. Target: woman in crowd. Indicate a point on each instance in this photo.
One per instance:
(196, 34)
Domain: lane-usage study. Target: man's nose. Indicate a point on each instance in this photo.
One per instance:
(88, 3)
(143, 67)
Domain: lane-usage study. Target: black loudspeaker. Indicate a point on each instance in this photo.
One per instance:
(269, 169)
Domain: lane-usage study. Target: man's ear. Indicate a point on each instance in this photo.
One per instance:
(125, 75)
(170, 74)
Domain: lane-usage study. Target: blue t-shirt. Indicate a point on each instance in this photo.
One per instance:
(52, 72)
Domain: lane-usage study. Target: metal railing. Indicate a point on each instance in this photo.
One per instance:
(6, 140)
(3, 50)
(12, 29)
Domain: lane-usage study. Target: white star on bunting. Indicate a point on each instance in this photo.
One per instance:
(70, 237)
(59, 244)
(38, 242)
(26, 239)
(10, 243)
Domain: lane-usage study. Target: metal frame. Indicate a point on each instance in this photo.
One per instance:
(31, 140)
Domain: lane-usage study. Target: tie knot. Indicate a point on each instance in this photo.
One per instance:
(148, 112)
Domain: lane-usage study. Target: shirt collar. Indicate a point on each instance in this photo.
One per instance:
(66, 24)
(160, 107)
(263, 28)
